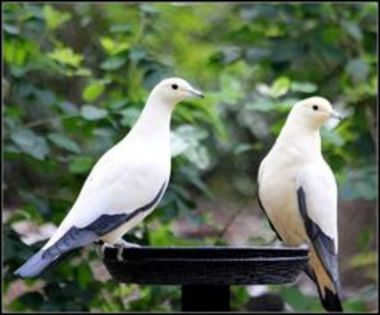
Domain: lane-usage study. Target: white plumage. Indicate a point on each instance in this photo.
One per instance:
(298, 193)
(125, 184)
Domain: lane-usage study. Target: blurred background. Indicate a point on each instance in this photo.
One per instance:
(75, 79)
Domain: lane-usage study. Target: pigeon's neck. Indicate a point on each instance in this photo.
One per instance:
(154, 120)
(304, 138)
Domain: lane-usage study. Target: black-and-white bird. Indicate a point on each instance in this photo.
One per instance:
(298, 193)
(124, 186)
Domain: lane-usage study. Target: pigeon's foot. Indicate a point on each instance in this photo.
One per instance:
(100, 247)
(120, 245)
(123, 243)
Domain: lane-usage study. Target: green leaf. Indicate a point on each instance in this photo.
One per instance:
(186, 140)
(113, 63)
(83, 72)
(353, 29)
(90, 112)
(178, 145)
(280, 87)
(68, 107)
(93, 90)
(118, 103)
(81, 164)
(199, 156)
(11, 29)
(113, 47)
(67, 56)
(15, 52)
(63, 142)
(31, 143)
(231, 90)
(55, 18)
(304, 87)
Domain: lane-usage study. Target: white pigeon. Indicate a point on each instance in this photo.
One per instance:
(298, 193)
(124, 186)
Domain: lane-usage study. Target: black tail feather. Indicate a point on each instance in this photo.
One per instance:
(37, 265)
(331, 301)
(34, 266)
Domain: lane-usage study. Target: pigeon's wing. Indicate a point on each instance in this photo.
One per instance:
(259, 176)
(115, 189)
(115, 192)
(317, 201)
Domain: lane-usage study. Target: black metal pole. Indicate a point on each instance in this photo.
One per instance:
(203, 298)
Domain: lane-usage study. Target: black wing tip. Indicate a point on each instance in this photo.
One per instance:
(331, 301)
(32, 268)
(24, 273)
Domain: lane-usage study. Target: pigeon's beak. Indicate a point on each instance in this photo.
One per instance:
(334, 114)
(195, 92)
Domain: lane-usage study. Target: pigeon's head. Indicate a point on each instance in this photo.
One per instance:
(314, 111)
(174, 90)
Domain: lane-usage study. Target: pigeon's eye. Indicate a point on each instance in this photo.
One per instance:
(174, 86)
(315, 107)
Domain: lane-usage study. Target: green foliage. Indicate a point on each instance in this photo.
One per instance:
(30, 143)
(77, 75)
(54, 18)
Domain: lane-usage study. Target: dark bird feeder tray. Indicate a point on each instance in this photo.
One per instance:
(206, 273)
